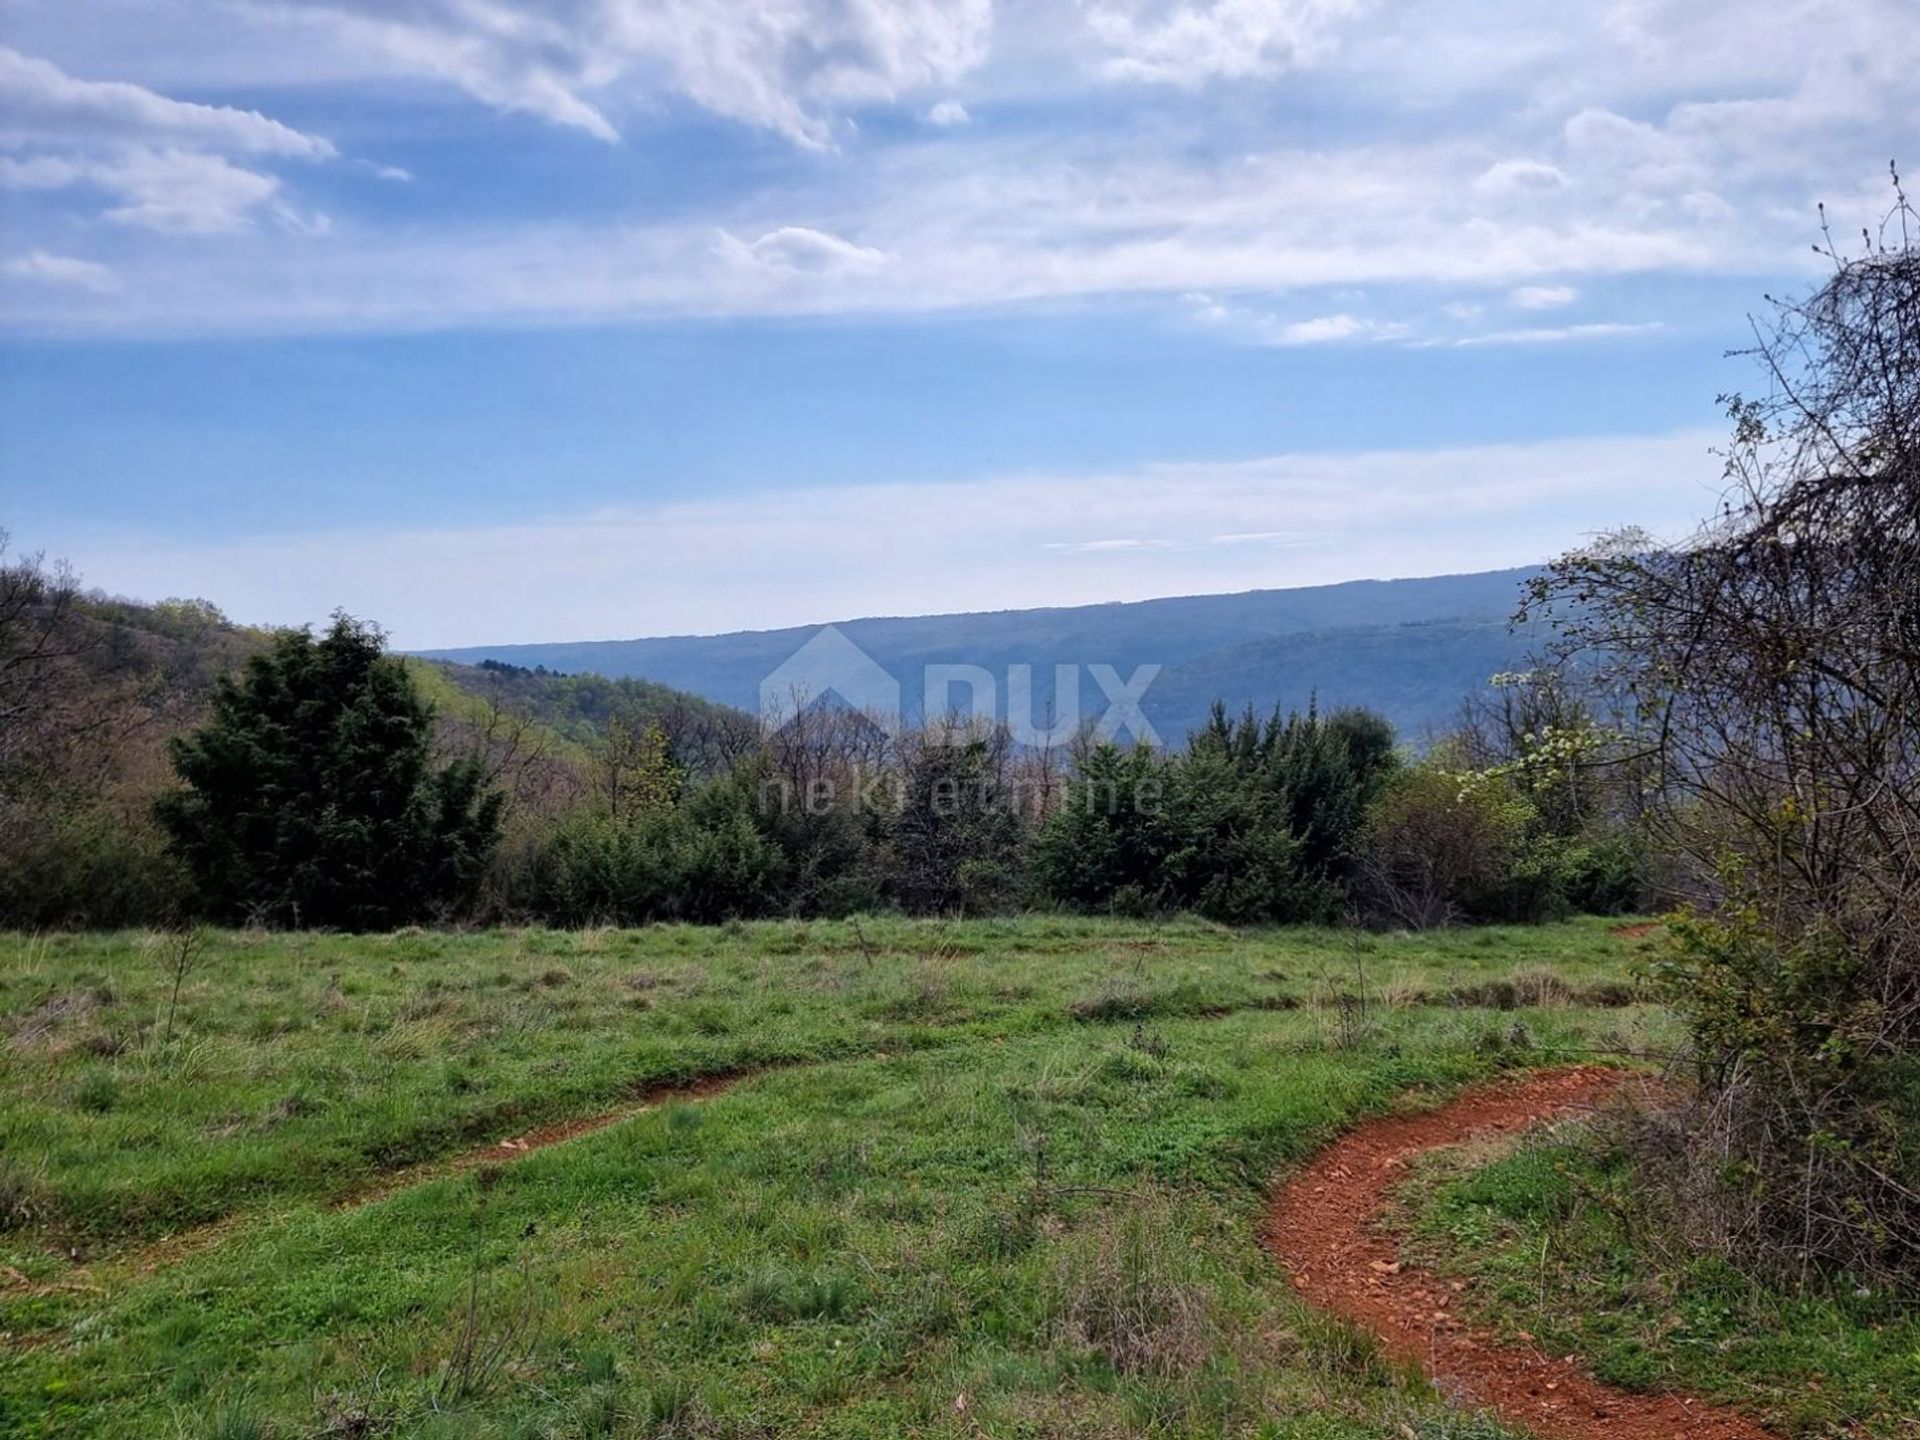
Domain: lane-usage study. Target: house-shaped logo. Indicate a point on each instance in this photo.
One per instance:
(829, 665)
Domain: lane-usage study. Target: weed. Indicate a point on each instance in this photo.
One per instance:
(1125, 1291)
(97, 1092)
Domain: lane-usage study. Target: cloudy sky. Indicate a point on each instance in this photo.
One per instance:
(504, 320)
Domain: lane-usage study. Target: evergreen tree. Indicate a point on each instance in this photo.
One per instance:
(311, 797)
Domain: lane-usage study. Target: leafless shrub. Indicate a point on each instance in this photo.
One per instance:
(184, 949)
(496, 1326)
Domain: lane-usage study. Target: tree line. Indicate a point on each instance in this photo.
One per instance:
(295, 779)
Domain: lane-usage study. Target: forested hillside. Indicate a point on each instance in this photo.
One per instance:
(1410, 649)
(93, 688)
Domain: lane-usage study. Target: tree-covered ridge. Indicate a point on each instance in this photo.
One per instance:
(580, 708)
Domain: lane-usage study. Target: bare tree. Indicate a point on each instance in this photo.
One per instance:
(1774, 659)
(36, 604)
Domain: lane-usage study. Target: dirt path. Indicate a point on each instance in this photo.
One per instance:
(1324, 1229)
(517, 1147)
(167, 1250)
(1635, 932)
(156, 1255)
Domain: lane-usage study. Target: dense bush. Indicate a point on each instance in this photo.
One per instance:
(85, 863)
(954, 831)
(661, 864)
(1105, 847)
(310, 795)
(1255, 822)
(1445, 844)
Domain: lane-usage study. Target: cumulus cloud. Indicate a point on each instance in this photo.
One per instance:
(948, 113)
(1520, 177)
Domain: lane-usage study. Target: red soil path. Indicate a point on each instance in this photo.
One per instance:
(1634, 932)
(169, 1250)
(1324, 1229)
(504, 1152)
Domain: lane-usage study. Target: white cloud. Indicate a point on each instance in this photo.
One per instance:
(782, 557)
(1520, 177)
(45, 269)
(43, 103)
(797, 250)
(164, 164)
(789, 67)
(1275, 538)
(1189, 44)
(178, 192)
(1103, 547)
(1319, 330)
(1542, 297)
(1605, 141)
(948, 113)
(1262, 327)
(1560, 334)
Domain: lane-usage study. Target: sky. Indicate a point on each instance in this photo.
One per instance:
(499, 321)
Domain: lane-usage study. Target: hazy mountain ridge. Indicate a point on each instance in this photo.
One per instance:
(1411, 649)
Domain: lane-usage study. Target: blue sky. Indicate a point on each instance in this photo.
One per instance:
(502, 321)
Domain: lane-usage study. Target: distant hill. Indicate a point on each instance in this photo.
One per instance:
(1411, 649)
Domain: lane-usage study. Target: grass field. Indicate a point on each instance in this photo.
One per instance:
(996, 1177)
(1548, 1234)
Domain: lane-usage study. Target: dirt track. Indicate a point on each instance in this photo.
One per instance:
(1324, 1229)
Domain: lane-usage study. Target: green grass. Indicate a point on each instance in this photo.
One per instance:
(302, 1065)
(1001, 1177)
(1558, 1245)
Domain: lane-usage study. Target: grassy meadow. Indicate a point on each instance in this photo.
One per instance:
(999, 1177)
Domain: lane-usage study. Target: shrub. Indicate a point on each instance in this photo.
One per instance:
(1813, 1110)
(1445, 844)
(661, 864)
(954, 840)
(1256, 822)
(76, 861)
(1103, 848)
(1775, 657)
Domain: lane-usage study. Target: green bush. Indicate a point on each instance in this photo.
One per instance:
(85, 864)
(665, 863)
(955, 836)
(311, 797)
(1444, 844)
(1255, 823)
